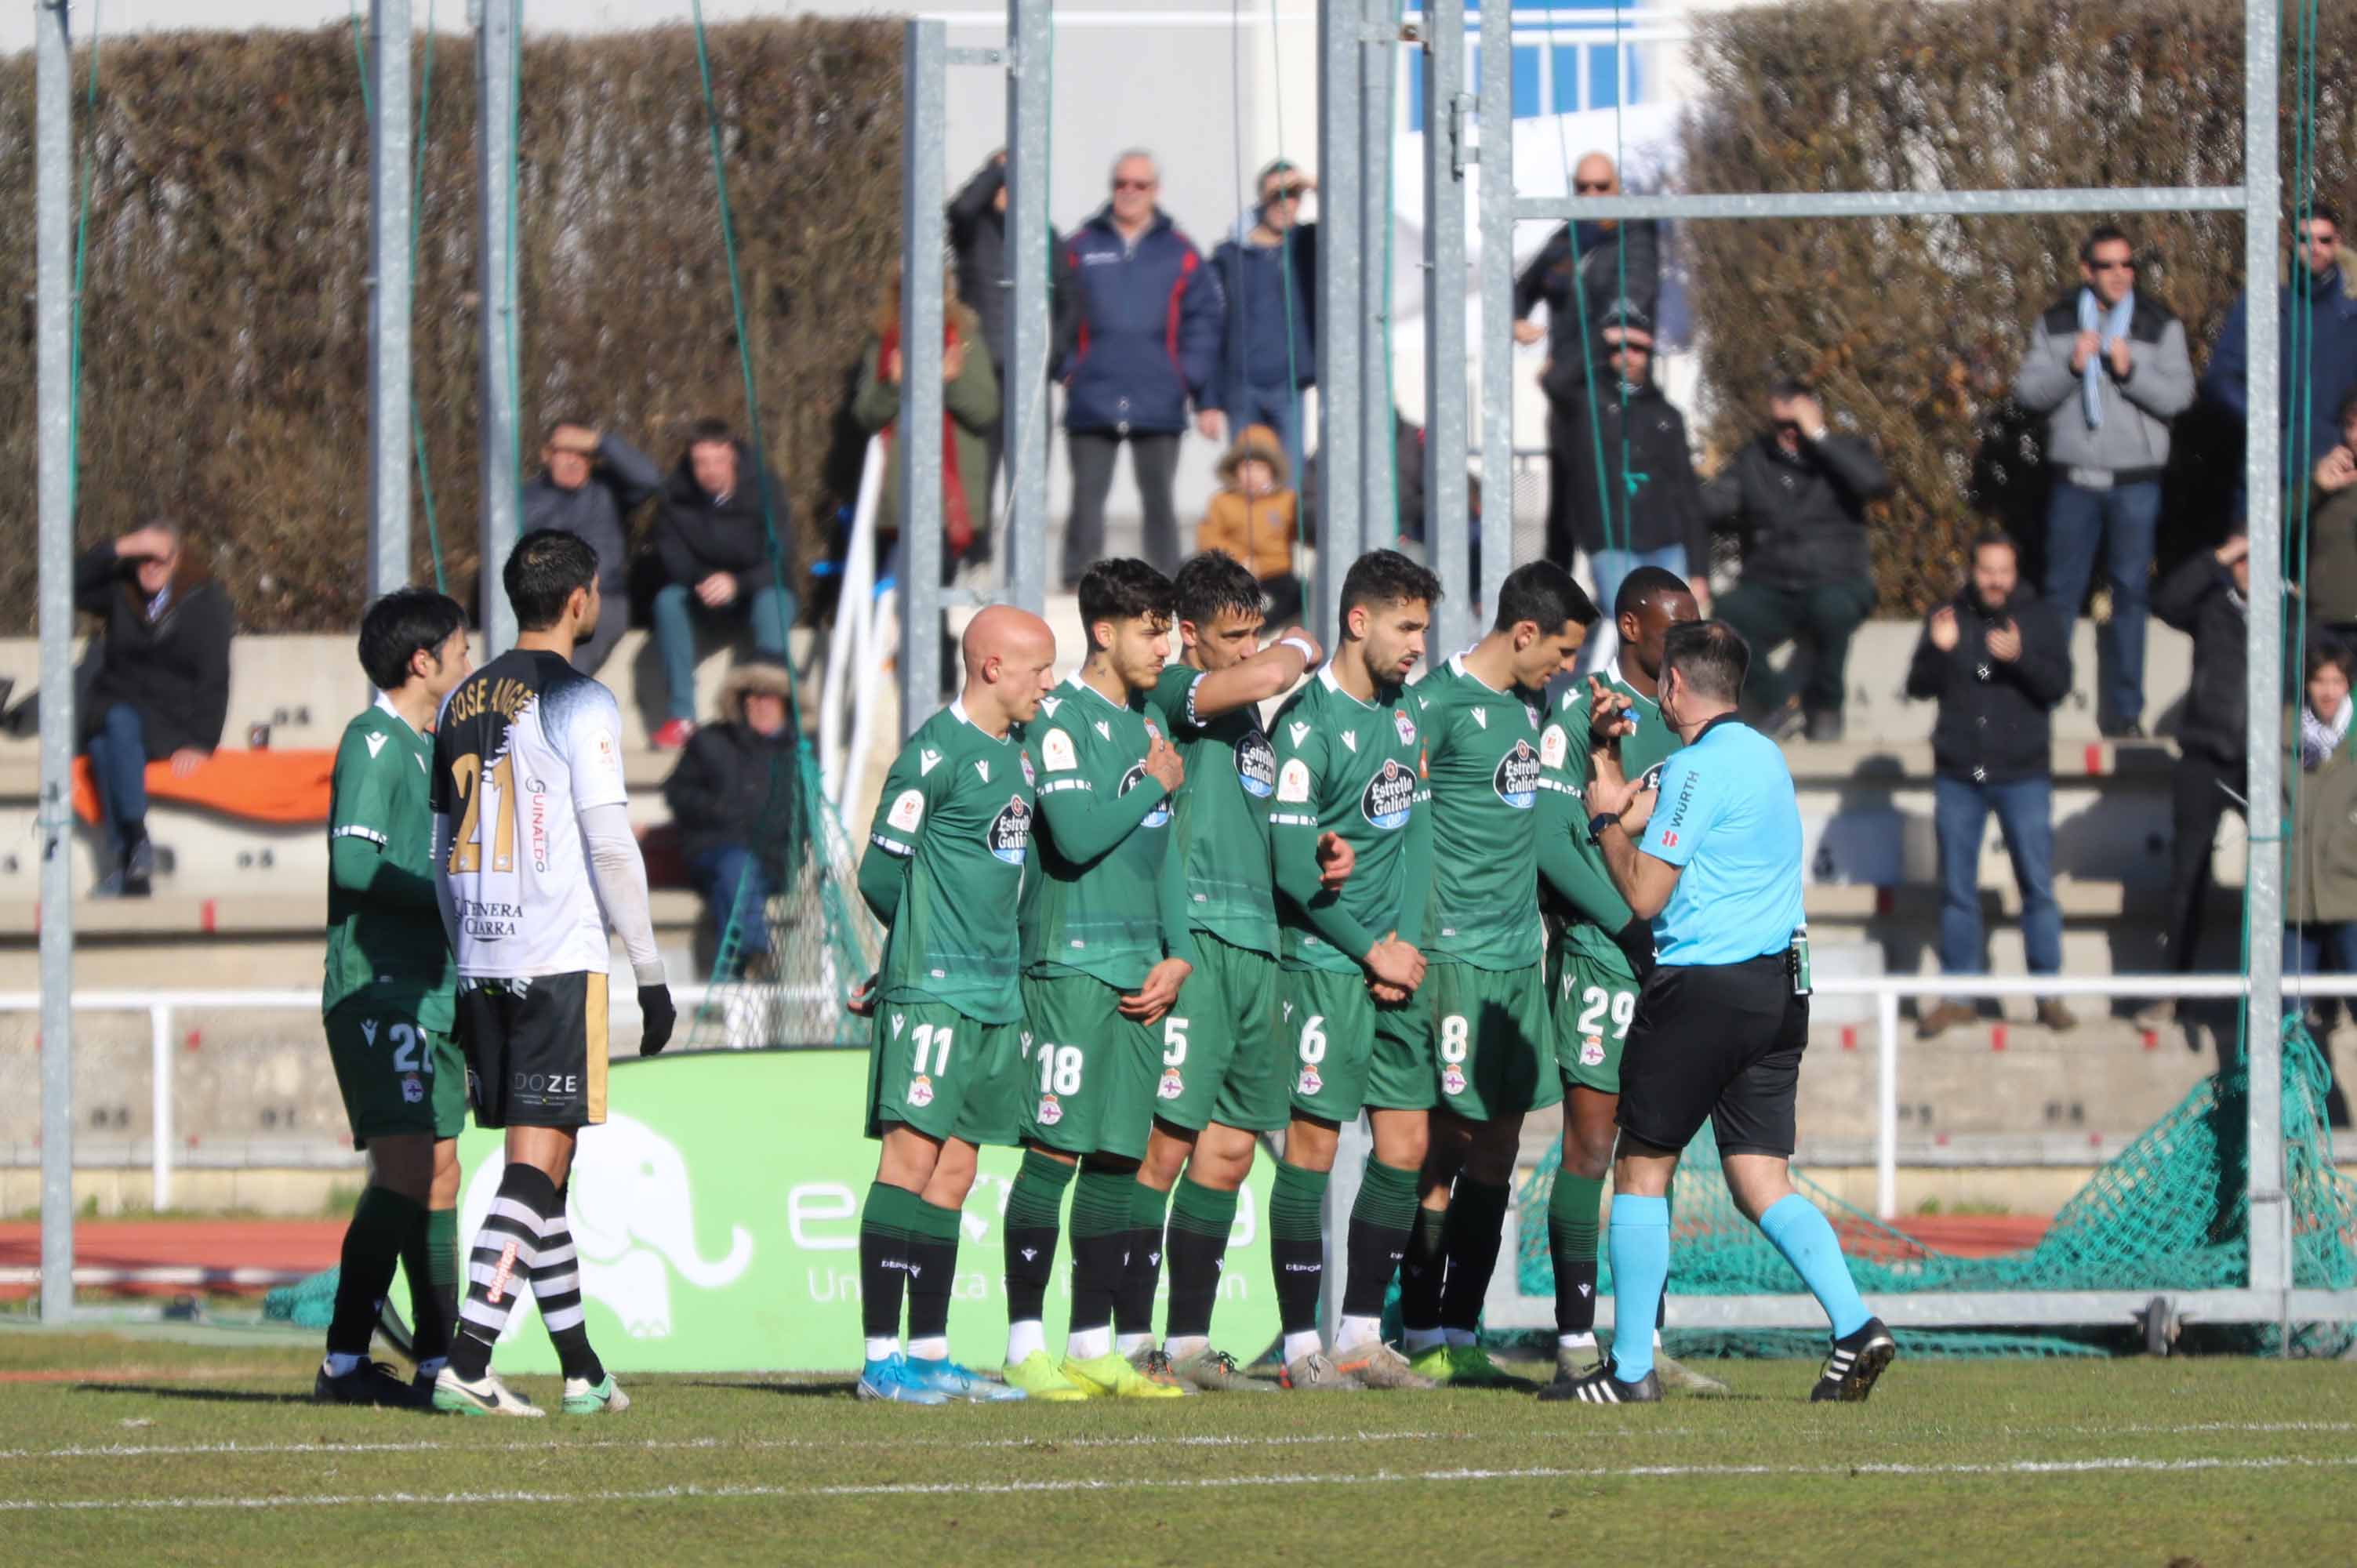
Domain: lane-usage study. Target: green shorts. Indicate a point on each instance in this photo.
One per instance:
(1221, 1059)
(948, 1076)
(1492, 1040)
(1093, 1072)
(1594, 1001)
(1351, 1054)
(396, 1078)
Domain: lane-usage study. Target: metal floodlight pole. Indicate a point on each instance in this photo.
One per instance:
(1497, 212)
(925, 88)
(1378, 464)
(388, 300)
(1031, 47)
(495, 154)
(1341, 278)
(1445, 108)
(53, 274)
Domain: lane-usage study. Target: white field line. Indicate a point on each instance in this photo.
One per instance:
(687, 1493)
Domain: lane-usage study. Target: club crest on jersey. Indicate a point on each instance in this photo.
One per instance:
(1591, 1051)
(1049, 1111)
(1516, 778)
(1531, 710)
(1452, 1080)
(1173, 1085)
(1553, 746)
(1386, 800)
(1028, 776)
(1009, 834)
(1311, 1082)
(920, 1091)
(412, 1088)
(1257, 766)
(1056, 751)
(1407, 728)
(1160, 815)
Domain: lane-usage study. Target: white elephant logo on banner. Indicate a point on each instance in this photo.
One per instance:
(634, 1222)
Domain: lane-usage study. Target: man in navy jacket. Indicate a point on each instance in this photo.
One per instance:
(1137, 338)
(2318, 302)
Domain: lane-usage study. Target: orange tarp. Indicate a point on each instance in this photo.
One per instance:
(290, 788)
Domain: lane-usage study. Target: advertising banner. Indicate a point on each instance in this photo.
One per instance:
(716, 1213)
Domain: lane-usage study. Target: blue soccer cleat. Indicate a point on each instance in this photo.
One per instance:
(958, 1381)
(895, 1380)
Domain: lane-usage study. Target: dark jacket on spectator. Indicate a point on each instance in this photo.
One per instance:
(2321, 818)
(1254, 280)
(1604, 278)
(697, 535)
(734, 786)
(1649, 441)
(1137, 331)
(2327, 307)
(978, 241)
(174, 669)
(1996, 723)
(2199, 599)
(598, 513)
(1801, 515)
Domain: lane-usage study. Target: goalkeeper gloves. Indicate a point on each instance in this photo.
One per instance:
(655, 1008)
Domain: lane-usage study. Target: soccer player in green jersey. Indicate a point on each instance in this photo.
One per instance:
(1347, 752)
(1106, 949)
(1485, 994)
(1602, 951)
(389, 1001)
(1224, 1079)
(944, 872)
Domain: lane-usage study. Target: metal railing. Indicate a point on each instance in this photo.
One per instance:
(865, 637)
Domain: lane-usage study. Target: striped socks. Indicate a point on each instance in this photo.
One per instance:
(500, 1267)
(556, 1286)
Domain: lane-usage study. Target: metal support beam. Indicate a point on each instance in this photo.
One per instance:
(1341, 274)
(53, 275)
(1884, 203)
(1445, 110)
(1378, 461)
(925, 91)
(389, 299)
(1031, 46)
(495, 110)
(1497, 210)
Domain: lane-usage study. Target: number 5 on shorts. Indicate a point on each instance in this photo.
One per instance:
(1174, 1041)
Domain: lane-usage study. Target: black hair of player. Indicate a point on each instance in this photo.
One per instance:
(709, 432)
(1646, 586)
(542, 573)
(1544, 594)
(1387, 577)
(402, 625)
(1213, 582)
(1123, 589)
(1710, 657)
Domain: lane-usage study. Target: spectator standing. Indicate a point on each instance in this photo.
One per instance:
(2316, 304)
(969, 414)
(1255, 518)
(2330, 589)
(977, 231)
(1797, 496)
(2107, 367)
(2321, 889)
(1268, 274)
(1996, 661)
(736, 795)
(714, 545)
(1138, 337)
(589, 483)
(161, 690)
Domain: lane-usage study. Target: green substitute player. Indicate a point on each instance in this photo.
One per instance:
(1225, 1076)
(1598, 959)
(944, 871)
(389, 1003)
(1485, 994)
(1105, 950)
(1347, 752)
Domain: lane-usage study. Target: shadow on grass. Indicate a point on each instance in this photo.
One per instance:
(201, 1396)
(833, 1388)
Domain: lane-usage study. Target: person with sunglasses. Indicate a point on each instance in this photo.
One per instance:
(1268, 353)
(2107, 367)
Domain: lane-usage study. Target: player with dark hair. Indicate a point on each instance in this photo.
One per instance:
(1347, 751)
(387, 1002)
(1484, 1000)
(534, 854)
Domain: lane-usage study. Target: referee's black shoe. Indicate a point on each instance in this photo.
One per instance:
(1856, 1360)
(1600, 1387)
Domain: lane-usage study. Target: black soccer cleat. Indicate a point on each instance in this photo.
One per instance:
(370, 1383)
(1600, 1387)
(1857, 1360)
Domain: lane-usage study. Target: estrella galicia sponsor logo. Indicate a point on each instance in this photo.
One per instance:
(1384, 802)
(1009, 835)
(1160, 815)
(1256, 765)
(1517, 777)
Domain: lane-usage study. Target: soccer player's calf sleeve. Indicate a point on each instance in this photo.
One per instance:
(933, 1268)
(1423, 1268)
(1296, 1244)
(499, 1267)
(1640, 1239)
(1381, 1216)
(1809, 1244)
(1133, 1307)
(556, 1286)
(381, 1221)
(1034, 1204)
(1103, 1215)
(1571, 1240)
(885, 1222)
(1477, 1220)
(1201, 1219)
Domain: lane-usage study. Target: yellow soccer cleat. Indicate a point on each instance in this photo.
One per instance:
(1111, 1376)
(1038, 1377)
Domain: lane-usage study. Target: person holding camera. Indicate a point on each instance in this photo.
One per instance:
(1268, 353)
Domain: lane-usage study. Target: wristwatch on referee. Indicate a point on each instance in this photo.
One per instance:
(1599, 822)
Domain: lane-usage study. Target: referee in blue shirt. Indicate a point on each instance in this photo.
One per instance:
(1713, 859)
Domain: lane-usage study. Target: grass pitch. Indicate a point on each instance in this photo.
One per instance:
(118, 1448)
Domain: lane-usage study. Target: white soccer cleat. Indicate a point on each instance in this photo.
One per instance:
(487, 1396)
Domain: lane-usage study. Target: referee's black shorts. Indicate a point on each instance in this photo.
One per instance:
(1720, 1043)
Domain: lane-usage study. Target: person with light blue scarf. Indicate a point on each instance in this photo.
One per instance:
(2107, 366)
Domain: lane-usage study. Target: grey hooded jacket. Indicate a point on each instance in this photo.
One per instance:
(2132, 443)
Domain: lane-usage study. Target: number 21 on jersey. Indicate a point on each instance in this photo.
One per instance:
(466, 843)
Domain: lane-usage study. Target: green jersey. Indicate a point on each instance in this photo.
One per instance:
(1223, 821)
(956, 812)
(385, 940)
(1349, 767)
(1482, 757)
(1573, 868)
(1096, 908)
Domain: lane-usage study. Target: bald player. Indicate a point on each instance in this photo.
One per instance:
(943, 872)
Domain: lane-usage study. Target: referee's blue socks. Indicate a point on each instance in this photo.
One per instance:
(1808, 1243)
(1640, 1240)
